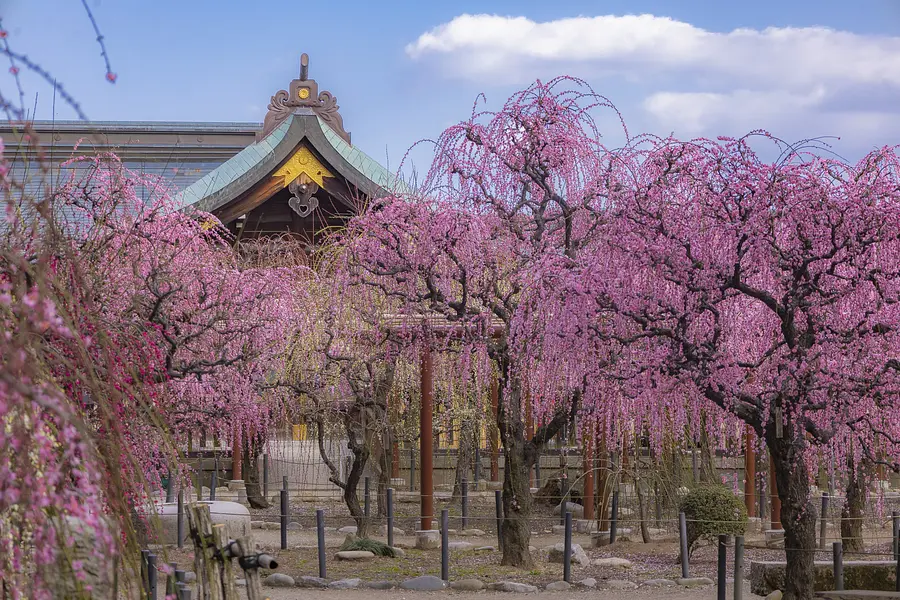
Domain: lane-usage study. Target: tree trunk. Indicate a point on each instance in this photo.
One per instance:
(798, 514)
(852, 511)
(250, 458)
(464, 456)
(517, 501)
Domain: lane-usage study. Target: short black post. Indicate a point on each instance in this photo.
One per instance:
(682, 536)
(723, 556)
(838, 553)
(144, 559)
(465, 503)
(477, 469)
(213, 482)
(266, 476)
(170, 489)
(537, 471)
(445, 544)
(412, 470)
(738, 567)
(284, 517)
(390, 517)
(567, 550)
(823, 524)
(170, 580)
(151, 576)
(184, 592)
(179, 576)
(498, 507)
(320, 533)
(180, 522)
(366, 496)
(614, 518)
(895, 541)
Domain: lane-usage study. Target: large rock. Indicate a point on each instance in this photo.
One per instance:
(556, 554)
(424, 583)
(613, 561)
(558, 586)
(768, 576)
(590, 582)
(278, 580)
(577, 510)
(690, 582)
(467, 585)
(512, 586)
(355, 555)
(234, 516)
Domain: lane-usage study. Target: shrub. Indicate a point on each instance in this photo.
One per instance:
(712, 510)
(374, 546)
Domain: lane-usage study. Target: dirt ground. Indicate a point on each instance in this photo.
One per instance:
(666, 593)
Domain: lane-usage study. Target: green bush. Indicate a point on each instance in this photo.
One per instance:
(712, 510)
(374, 546)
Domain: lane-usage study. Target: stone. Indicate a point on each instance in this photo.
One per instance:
(279, 580)
(429, 539)
(776, 595)
(467, 585)
(512, 586)
(558, 586)
(577, 510)
(308, 581)
(460, 545)
(240, 582)
(590, 582)
(234, 516)
(694, 581)
(348, 529)
(190, 577)
(379, 585)
(613, 561)
(424, 583)
(257, 524)
(355, 555)
(481, 549)
(293, 526)
(471, 533)
(345, 584)
(557, 554)
(272, 526)
(96, 571)
(875, 575)
(658, 583)
(397, 531)
(619, 584)
(398, 552)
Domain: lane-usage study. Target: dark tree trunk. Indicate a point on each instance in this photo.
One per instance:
(252, 448)
(464, 456)
(852, 511)
(798, 514)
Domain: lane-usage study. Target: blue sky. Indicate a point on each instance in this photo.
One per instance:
(404, 70)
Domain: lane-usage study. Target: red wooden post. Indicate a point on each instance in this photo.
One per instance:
(749, 472)
(426, 440)
(495, 434)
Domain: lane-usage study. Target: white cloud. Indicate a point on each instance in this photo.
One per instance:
(490, 45)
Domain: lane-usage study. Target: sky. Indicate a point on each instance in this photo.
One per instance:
(403, 70)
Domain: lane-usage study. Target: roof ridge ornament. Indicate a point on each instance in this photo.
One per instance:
(303, 92)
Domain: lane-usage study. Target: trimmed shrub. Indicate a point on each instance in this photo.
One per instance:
(712, 510)
(374, 546)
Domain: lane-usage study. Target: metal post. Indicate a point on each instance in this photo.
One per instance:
(265, 481)
(412, 469)
(537, 471)
(320, 534)
(184, 593)
(838, 554)
(564, 493)
(179, 575)
(284, 517)
(823, 525)
(723, 556)
(213, 481)
(613, 521)
(465, 503)
(426, 440)
(144, 560)
(895, 540)
(477, 473)
(498, 506)
(170, 489)
(151, 576)
(445, 545)
(567, 550)
(180, 522)
(682, 535)
(738, 567)
(366, 497)
(390, 517)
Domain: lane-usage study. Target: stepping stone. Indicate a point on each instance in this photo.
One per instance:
(278, 580)
(619, 584)
(577, 510)
(355, 555)
(344, 584)
(613, 561)
(658, 583)
(460, 545)
(590, 582)
(379, 585)
(471, 533)
(467, 585)
(558, 586)
(308, 581)
(424, 583)
(557, 554)
(695, 581)
(512, 586)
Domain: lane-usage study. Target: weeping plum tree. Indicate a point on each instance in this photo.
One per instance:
(511, 196)
(767, 291)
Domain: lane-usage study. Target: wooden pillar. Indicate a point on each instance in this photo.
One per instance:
(587, 437)
(426, 440)
(776, 501)
(749, 472)
(236, 455)
(495, 431)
